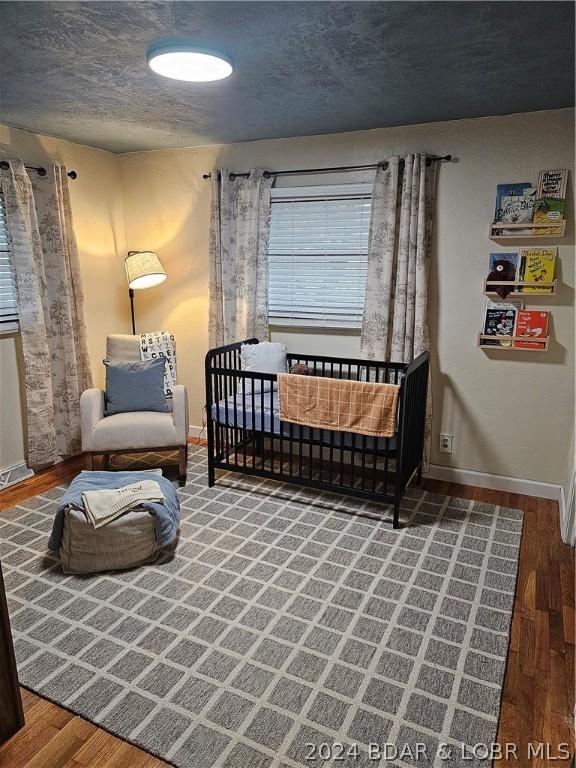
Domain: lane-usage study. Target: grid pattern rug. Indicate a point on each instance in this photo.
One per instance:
(282, 628)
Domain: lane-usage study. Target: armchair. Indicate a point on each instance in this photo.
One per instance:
(136, 431)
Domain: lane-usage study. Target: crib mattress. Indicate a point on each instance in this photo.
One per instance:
(264, 414)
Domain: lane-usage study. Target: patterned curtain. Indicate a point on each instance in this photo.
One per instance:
(395, 323)
(239, 227)
(50, 306)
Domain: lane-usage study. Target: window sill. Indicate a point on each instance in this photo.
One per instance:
(8, 329)
(319, 329)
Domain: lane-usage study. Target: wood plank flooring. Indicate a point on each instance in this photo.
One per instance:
(538, 695)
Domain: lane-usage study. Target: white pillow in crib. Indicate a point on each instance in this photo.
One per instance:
(266, 357)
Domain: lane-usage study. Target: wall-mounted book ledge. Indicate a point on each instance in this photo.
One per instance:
(519, 288)
(513, 343)
(503, 230)
(523, 212)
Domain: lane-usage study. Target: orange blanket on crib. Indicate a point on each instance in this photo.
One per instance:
(363, 407)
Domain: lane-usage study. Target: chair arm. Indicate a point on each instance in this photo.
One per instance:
(91, 412)
(180, 413)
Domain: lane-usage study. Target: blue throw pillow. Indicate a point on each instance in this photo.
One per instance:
(135, 386)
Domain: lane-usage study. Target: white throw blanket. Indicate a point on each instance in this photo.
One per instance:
(102, 507)
(161, 344)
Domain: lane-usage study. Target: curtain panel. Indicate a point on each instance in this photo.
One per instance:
(395, 322)
(239, 229)
(50, 307)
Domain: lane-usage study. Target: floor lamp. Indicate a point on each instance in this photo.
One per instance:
(143, 270)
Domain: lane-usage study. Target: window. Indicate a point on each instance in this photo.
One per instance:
(318, 251)
(8, 303)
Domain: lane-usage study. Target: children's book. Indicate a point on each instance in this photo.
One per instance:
(499, 320)
(507, 191)
(549, 210)
(503, 267)
(552, 183)
(537, 265)
(509, 261)
(534, 325)
(518, 210)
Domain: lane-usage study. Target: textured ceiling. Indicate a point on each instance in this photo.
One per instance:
(78, 70)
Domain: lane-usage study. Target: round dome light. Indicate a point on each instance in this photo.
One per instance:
(188, 63)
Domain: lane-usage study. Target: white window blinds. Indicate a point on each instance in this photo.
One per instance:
(317, 253)
(8, 303)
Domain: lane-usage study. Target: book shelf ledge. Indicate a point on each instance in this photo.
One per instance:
(551, 288)
(503, 230)
(543, 343)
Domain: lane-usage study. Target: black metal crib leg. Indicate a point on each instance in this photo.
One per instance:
(396, 518)
(419, 474)
(259, 444)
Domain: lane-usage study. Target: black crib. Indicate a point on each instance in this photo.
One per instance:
(245, 434)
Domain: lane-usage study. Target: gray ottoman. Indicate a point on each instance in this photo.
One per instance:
(124, 543)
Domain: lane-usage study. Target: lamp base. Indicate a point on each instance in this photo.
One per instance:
(131, 294)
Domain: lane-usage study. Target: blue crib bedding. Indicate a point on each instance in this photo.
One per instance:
(265, 414)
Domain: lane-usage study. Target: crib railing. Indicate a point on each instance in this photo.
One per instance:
(376, 469)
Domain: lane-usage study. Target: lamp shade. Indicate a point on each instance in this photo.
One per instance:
(144, 270)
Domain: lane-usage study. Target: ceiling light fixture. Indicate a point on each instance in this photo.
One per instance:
(181, 61)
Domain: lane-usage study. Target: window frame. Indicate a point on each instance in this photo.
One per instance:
(318, 192)
(11, 324)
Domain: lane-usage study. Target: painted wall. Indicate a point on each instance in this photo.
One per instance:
(510, 413)
(97, 210)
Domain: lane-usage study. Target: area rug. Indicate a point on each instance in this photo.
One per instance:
(284, 631)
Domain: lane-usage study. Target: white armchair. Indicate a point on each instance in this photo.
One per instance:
(136, 431)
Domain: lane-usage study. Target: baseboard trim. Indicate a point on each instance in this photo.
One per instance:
(495, 482)
(568, 513)
(471, 477)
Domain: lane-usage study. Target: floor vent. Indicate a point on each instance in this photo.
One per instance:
(14, 474)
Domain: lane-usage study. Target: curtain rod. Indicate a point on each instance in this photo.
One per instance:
(299, 171)
(5, 165)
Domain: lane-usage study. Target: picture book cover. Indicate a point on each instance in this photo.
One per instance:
(549, 210)
(533, 324)
(538, 266)
(552, 183)
(503, 267)
(518, 210)
(508, 190)
(499, 320)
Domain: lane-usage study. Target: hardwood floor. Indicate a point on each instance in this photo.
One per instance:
(54, 738)
(538, 695)
(43, 481)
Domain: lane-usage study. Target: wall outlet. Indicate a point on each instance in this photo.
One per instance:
(446, 443)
